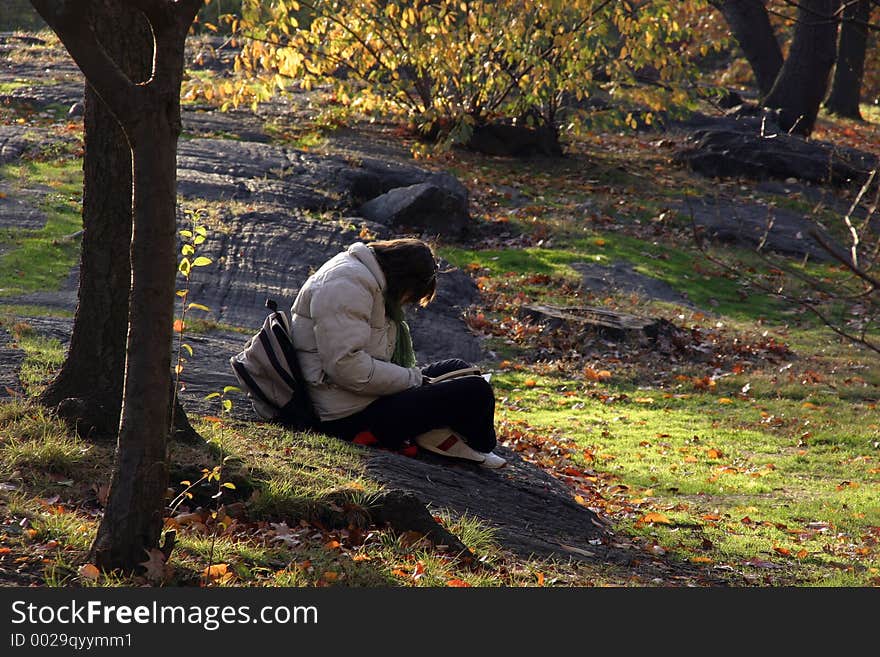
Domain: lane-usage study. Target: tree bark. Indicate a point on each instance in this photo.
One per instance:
(92, 373)
(803, 80)
(852, 45)
(149, 114)
(750, 24)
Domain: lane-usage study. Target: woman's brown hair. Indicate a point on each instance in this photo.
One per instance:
(410, 269)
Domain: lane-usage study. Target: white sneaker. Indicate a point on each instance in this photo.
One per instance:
(448, 443)
(493, 461)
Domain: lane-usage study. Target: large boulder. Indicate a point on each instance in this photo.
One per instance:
(437, 207)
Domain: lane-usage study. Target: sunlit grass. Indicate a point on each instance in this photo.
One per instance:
(42, 259)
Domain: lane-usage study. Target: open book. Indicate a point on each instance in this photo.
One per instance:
(465, 371)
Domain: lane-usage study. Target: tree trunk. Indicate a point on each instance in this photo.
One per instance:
(92, 372)
(803, 79)
(149, 114)
(750, 24)
(852, 44)
(134, 512)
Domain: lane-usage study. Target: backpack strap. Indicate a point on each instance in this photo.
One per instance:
(270, 353)
(298, 384)
(242, 372)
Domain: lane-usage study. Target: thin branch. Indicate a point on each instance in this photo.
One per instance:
(849, 264)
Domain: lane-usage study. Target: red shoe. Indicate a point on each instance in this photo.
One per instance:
(365, 438)
(408, 450)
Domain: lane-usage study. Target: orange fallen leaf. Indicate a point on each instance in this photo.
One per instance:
(725, 400)
(714, 453)
(5, 550)
(785, 552)
(332, 545)
(330, 576)
(690, 459)
(457, 583)
(655, 517)
(580, 500)
(530, 383)
(361, 557)
(216, 570)
(540, 577)
(89, 571)
(802, 554)
(701, 560)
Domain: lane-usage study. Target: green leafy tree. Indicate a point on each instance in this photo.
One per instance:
(450, 66)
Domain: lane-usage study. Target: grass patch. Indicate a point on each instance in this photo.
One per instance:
(41, 259)
(734, 481)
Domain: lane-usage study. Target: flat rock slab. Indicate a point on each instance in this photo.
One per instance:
(231, 125)
(533, 513)
(770, 229)
(254, 172)
(622, 277)
(754, 148)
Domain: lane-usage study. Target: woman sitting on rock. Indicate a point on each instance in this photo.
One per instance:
(357, 356)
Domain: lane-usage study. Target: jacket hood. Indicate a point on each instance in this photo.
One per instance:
(366, 256)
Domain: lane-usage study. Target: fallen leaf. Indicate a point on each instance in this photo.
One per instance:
(154, 566)
(714, 453)
(725, 400)
(701, 560)
(214, 571)
(89, 571)
(656, 518)
(785, 552)
(540, 577)
(457, 583)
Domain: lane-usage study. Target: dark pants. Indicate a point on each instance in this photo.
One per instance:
(466, 405)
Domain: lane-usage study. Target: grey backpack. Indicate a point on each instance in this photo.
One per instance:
(268, 371)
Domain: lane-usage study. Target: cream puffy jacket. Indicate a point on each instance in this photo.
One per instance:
(343, 338)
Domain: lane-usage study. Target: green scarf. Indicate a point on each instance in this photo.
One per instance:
(404, 354)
